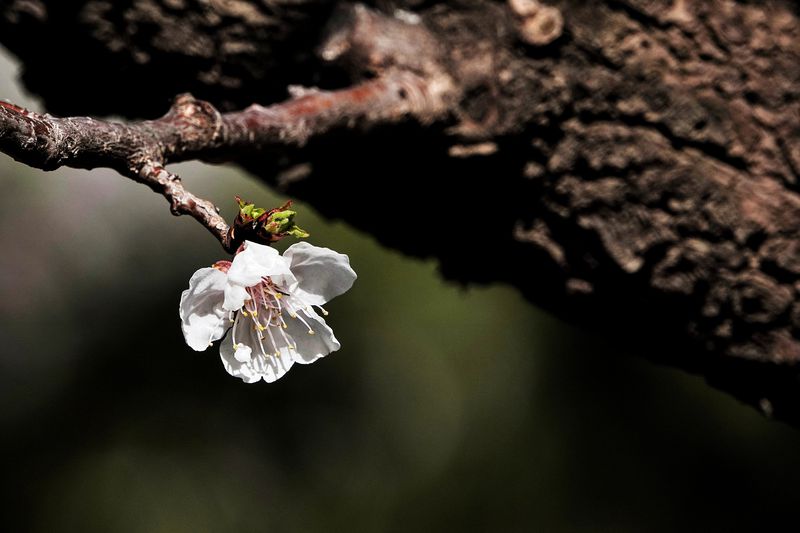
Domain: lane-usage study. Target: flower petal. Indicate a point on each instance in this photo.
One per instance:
(242, 353)
(310, 347)
(234, 297)
(248, 361)
(322, 274)
(201, 312)
(257, 261)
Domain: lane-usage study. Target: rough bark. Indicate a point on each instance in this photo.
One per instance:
(629, 164)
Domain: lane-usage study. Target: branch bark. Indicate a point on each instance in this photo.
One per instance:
(633, 163)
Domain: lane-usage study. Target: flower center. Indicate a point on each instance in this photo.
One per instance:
(265, 309)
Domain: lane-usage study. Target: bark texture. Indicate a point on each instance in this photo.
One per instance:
(630, 164)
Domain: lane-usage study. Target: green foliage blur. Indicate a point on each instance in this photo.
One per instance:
(447, 408)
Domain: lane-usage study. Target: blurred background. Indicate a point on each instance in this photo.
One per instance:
(447, 407)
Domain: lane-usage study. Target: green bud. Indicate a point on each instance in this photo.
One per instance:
(280, 222)
(265, 225)
(298, 232)
(249, 210)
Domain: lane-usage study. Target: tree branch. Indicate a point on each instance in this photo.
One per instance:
(193, 129)
(633, 164)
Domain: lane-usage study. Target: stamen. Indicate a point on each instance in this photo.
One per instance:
(268, 290)
(287, 338)
(280, 322)
(269, 332)
(263, 300)
(272, 340)
(233, 332)
(301, 319)
(270, 303)
(261, 345)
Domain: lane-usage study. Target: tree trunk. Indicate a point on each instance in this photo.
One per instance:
(631, 165)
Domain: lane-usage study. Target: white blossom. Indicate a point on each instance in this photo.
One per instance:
(267, 302)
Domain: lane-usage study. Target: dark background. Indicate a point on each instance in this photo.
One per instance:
(447, 408)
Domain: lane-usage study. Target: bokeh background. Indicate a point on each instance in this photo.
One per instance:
(448, 408)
